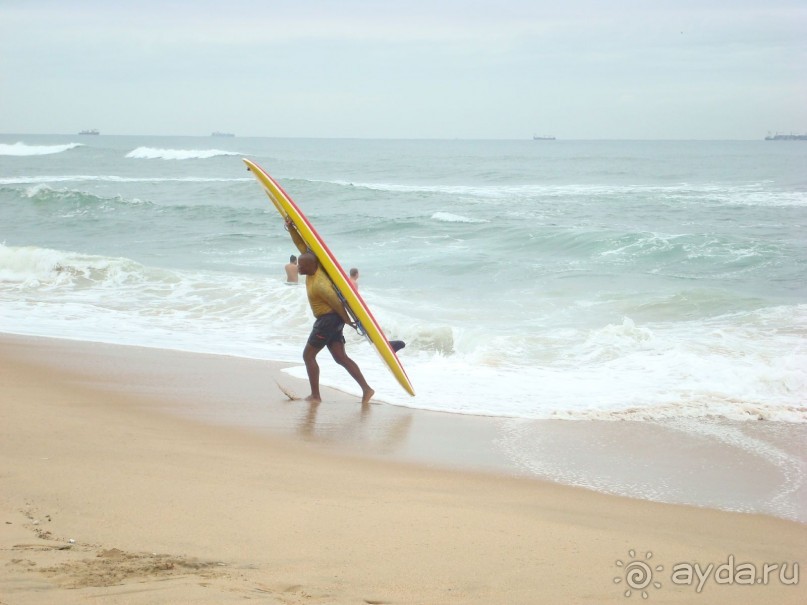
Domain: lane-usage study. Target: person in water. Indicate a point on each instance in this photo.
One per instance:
(291, 270)
(331, 318)
(395, 345)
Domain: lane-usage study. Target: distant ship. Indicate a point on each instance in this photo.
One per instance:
(535, 137)
(787, 137)
(93, 131)
(221, 134)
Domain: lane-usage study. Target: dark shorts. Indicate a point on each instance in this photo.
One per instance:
(327, 329)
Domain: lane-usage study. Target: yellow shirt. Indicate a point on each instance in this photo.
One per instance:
(321, 294)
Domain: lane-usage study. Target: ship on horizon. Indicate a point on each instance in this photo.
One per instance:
(786, 137)
(91, 131)
(221, 134)
(535, 137)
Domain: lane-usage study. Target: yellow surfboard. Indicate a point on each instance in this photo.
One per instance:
(354, 303)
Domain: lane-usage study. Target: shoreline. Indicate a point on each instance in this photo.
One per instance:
(735, 466)
(168, 507)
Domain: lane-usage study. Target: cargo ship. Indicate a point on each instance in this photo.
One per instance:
(786, 137)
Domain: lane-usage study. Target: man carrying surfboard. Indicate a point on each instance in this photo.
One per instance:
(331, 318)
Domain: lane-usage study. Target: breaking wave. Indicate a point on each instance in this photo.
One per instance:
(153, 153)
(21, 149)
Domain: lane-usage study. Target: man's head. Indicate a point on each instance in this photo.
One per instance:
(307, 264)
(293, 259)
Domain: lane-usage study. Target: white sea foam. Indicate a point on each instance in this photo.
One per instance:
(735, 366)
(21, 149)
(88, 297)
(751, 194)
(152, 153)
(726, 368)
(86, 178)
(448, 217)
(22, 265)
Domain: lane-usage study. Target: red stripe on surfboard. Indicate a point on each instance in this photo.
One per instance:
(321, 241)
(336, 263)
(330, 254)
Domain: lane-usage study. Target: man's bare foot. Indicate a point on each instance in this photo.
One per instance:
(367, 395)
(312, 399)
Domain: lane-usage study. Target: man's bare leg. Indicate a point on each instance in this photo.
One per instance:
(312, 368)
(339, 354)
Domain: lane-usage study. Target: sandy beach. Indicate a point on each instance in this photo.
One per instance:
(122, 484)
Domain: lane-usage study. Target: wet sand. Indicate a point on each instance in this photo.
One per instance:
(145, 476)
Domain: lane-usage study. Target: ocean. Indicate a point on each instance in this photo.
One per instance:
(609, 280)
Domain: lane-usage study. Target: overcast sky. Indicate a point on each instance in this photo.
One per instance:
(576, 69)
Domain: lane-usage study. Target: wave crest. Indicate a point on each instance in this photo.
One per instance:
(44, 194)
(154, 153)
(748, 194)
(21, 149)
(448, 217)
(71, 178)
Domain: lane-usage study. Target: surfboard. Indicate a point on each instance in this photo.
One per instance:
(357, 308)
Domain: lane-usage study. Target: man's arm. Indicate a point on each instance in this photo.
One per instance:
(295, 236)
